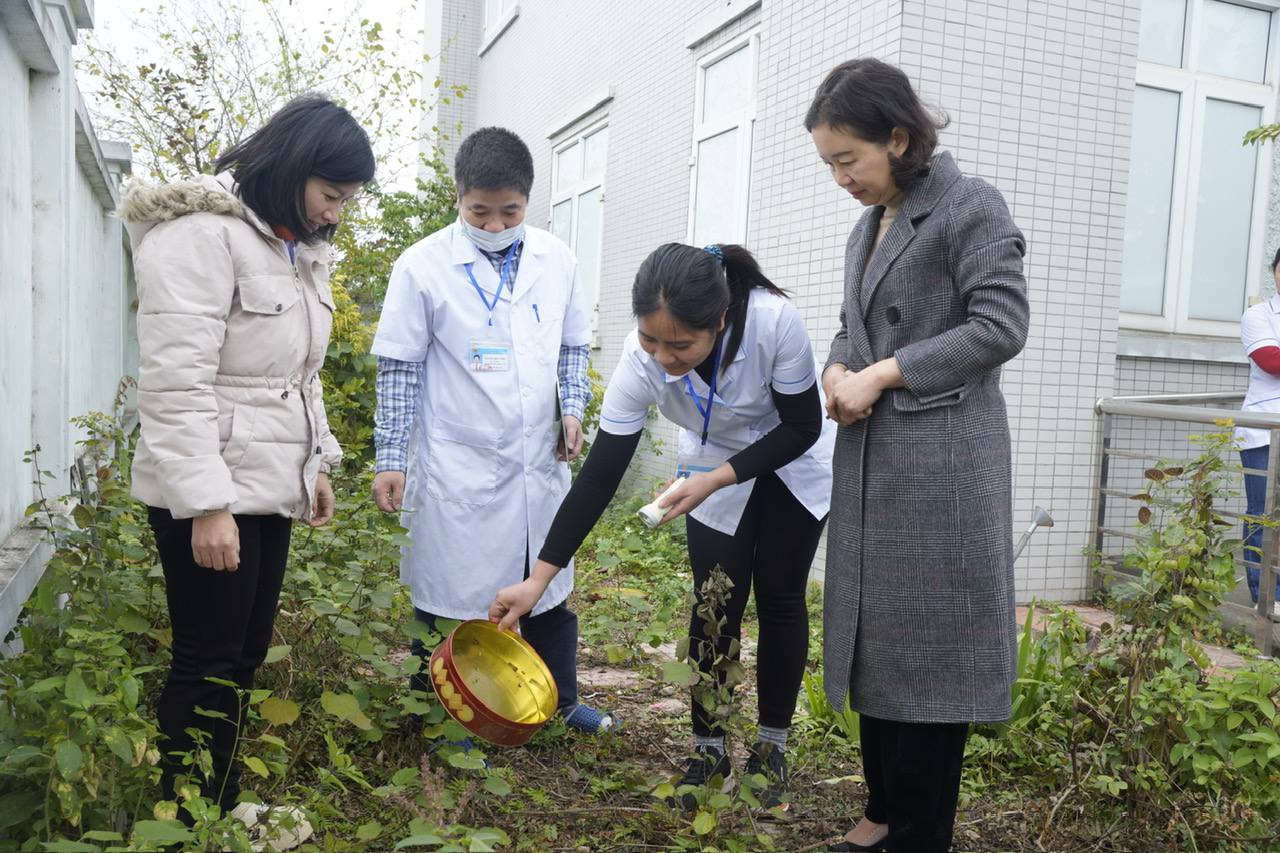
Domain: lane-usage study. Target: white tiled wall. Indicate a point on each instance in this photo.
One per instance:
(1040, 98)
(1039, 95)
(461, 30)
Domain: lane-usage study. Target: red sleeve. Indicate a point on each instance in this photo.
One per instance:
(1268, 358)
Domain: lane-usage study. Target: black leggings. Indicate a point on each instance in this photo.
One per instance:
(771, 552)
(222, 624)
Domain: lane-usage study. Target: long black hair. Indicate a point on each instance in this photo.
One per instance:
(869, 98)
(310, 136)
(699, 286)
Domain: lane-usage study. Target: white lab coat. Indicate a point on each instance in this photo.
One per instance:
(483, 482)
(775, 352)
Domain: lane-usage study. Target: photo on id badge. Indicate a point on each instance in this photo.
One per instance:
(490, 356)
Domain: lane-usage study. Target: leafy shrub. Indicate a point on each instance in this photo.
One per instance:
(78, 745)
(326, 726)
(349, 376)
(633, 580)
(1130, 722)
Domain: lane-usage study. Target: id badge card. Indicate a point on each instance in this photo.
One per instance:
(487, 356)
(704, 460)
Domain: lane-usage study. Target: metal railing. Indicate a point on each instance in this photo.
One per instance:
(1152, 417)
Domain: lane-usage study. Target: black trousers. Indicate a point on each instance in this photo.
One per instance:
(770, 553)
(913, 776)
(222, 624)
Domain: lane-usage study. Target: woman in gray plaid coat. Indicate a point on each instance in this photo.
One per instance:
(918, 612)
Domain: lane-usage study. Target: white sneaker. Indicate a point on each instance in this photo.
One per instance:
(273, 828)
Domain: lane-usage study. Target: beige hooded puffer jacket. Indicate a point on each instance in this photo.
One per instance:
(232, 338)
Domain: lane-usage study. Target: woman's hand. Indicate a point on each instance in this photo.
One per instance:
(215, 541)
(851, 395)
(696, 489)
(322, 505)
(514, 601)
(831, 376)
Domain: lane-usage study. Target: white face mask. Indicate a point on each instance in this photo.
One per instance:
(487, 240)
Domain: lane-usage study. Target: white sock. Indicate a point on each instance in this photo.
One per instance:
(777, 737)
(713, 741)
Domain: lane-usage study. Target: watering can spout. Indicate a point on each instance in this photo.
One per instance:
(1039, 518)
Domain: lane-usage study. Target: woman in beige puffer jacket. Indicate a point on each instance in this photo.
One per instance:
(234, 313)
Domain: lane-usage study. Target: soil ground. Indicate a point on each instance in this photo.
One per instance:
(595, 788)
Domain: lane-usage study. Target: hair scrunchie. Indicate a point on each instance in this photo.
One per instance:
(715, 250)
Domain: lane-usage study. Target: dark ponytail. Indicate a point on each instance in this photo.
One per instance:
(699, 286)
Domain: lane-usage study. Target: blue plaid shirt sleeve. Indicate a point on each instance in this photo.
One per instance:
(397, 387)
(575, 388)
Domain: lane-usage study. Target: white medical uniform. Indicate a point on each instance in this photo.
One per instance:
(1260, 327)
(775, 352)
(483, 482)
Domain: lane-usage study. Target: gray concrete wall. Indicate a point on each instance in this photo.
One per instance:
(15, 288)
(67, 320)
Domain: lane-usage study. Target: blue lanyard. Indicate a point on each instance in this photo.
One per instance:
(511, 253)
(711, 394)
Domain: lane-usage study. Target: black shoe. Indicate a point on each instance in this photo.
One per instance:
(767, 760)
(704, 767)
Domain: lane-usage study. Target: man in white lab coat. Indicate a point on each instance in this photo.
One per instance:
(482, 322)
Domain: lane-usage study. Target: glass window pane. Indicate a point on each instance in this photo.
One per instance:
(726, 84)
(1233, 41)
(568, 166)
(562, 221)
(593, 155)
(716, 191)
(1160, 31)
(1220, 259)
(587, 246)
(1146, 227)
(495, 9)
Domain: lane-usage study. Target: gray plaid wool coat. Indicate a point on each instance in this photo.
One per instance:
(918, 609)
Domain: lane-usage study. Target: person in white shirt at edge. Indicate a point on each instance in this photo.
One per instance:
(234, 314)
(723, 354)
(480, 321)
(1260, 333)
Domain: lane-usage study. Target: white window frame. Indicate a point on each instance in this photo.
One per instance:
(1195, 89)
(508, 11)
(573, 194)
(505, 8)
(744, 117)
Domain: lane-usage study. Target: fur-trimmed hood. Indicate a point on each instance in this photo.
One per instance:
(144, 204)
